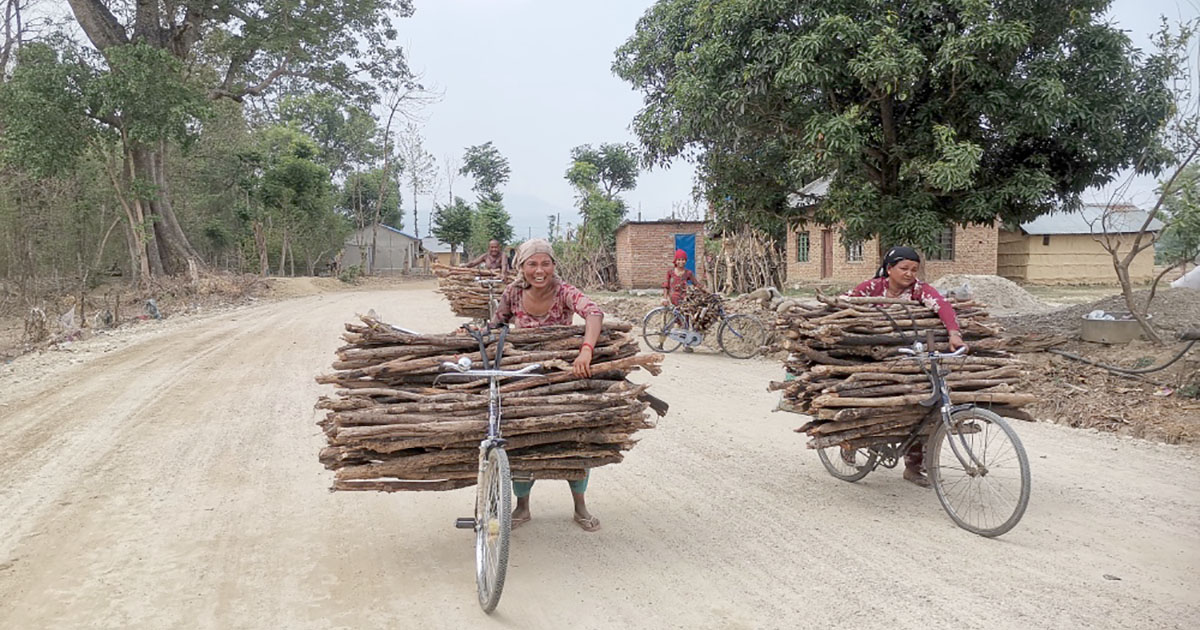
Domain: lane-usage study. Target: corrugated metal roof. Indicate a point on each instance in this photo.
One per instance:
(1092, 219)
(392, 229)
(431, 244)
(813, 192)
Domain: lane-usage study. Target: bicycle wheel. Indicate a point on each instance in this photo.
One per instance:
(493, 523)
(989, 498)
(742, 336)
(864, 462)
(656, 328)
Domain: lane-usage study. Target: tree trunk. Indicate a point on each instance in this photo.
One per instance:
(260, 245)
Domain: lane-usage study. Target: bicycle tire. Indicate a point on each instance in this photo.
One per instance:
(656, 328)
(840, 469)
(742, 336)
(969, 498)
(493, 525)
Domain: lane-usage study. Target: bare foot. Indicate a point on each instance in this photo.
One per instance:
(520, 516)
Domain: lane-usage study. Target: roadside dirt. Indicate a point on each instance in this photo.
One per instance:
(172, 482)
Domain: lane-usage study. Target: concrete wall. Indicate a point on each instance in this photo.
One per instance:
(974, 253)
(645, 251)
(394, 252)
(1065, 259)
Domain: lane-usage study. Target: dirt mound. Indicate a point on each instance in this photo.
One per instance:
(1173, 311)
(629, 309)
(1003, 296)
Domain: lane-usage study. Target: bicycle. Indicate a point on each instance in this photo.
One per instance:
(493, 299)
(968, 477)
(740, 336)
(492, 522)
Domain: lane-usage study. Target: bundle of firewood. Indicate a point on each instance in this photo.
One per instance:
(848, 375)
(467, 295)
(400, 422)
(701, 307)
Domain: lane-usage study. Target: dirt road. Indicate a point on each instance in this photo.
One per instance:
(173, 483)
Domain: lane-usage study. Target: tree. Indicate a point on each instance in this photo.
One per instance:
(452, 224)
(359, 195)
(490, 221)
(419, 168)
(344, 131)
(489, 169)
(925, 112)
(166, 55)
(1179, 243)
(616, 166)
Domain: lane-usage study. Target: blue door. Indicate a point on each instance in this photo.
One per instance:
(687, 242)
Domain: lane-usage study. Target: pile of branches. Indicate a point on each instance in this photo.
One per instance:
(586, 266)
(468, 298)
(848, 374)
(701, 307)
(748, 259)
(395, 425)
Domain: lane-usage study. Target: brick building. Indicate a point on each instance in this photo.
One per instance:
(816, 253)
(646, 250)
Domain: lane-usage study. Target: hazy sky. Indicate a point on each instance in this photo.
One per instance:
(533, 76)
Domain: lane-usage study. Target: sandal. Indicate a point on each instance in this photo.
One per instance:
(915, 476)
(589, 524)
(517, 522)
(848, 457)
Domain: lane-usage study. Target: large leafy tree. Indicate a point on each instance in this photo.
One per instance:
(344, 130)
(157, 57)
(615, 167)
(487, 167)
(490, 221)
(925, 112)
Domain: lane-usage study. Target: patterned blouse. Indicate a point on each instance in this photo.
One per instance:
(676, 284)
(567, 302)
(918, 292)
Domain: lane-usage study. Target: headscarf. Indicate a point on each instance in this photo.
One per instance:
(679, 253)
(527, 249)
(895, 255)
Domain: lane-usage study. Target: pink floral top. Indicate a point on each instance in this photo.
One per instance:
(918, 292)
(566, 304)
(676, 284)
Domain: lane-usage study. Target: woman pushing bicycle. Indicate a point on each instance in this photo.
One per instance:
(538, 297)
(897, 278)
(678, 277)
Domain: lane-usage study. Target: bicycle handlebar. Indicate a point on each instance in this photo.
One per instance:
(916, 353)
(463, 366)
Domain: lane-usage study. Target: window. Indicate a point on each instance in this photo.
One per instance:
(854, 252)
(1046, 240)
(802, 246)
(945, 246)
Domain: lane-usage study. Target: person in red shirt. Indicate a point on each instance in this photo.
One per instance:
(678, 277)
(897, 278)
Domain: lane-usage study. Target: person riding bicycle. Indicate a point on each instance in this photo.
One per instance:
(897, 278)
(538, 297)
(492, 259)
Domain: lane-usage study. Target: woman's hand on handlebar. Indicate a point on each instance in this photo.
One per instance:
(956, 340)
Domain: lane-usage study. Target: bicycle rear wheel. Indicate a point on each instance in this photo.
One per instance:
(835, 462)
(742, 336)
(657, 327)
(987, 498)
(493, 523)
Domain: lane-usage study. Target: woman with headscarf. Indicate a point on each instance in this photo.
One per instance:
(897, 278)
(678, 277)
(538, 297)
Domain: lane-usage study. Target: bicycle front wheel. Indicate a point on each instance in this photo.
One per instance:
(493, 523)
(742, 336)
(657, 327)
(984, 487)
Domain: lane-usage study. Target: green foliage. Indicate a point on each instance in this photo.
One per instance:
(490, 221)
(43, 115)
(147, 94)
(925, 112)
(1180, 240)
(343, 131)
(487, 167)
(359, 195)
(615, 167)
(452, 223)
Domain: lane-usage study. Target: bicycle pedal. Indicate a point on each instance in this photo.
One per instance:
(464, 522)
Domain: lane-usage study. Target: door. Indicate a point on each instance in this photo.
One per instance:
(687, 242)
(826, 253)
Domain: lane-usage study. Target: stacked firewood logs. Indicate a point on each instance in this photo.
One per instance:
(701, 307)
(468, 297)
(848, 374)
(400, 422)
